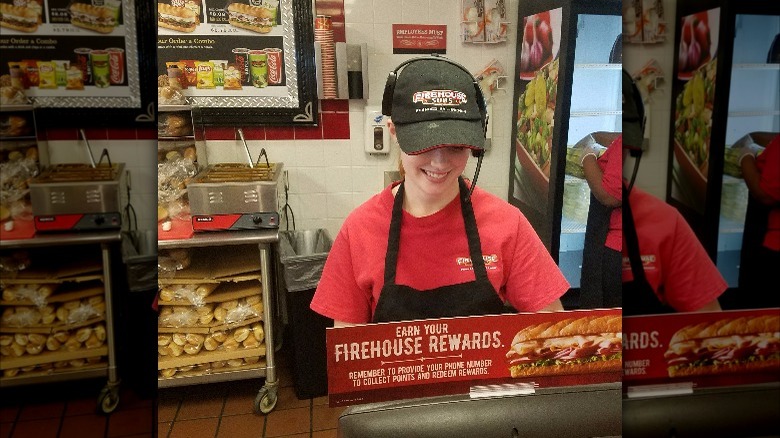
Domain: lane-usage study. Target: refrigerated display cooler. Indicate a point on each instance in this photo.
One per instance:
(567, 86)
(725, 86)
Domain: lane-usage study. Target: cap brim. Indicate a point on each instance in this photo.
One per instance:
(421, 137)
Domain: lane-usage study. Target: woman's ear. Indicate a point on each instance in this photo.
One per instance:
(391, 127)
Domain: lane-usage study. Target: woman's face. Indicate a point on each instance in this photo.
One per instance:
(436, 172)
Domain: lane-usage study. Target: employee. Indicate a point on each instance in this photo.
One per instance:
(760, 255)
(600, 283)
(665, 267)
(434, 245)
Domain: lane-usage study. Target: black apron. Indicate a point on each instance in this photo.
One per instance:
(638, 295)
(600, 284)
(757, 263)
(399, 302)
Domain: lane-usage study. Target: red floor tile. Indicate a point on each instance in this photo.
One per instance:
(240, 401)
(288, 399)
(202, 427)
(8, 414)
(287, 422)
(241, 426)
(130, 422)
(163, 429)
(330, 433)
(167, 409)
(81, 406)
(80, 426)
(324, 418)
(43, 410)
(5, 430)
(206, 406)
(41, 428)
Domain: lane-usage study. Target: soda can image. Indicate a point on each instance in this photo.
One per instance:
(275, 65)
(101, 76)
(241, 60)
(116, 64)
(82, 61)
(258, 68)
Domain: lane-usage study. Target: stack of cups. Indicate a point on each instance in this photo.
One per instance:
(323, 33)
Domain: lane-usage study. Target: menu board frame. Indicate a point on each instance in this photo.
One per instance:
(293, 101)
(134, 110)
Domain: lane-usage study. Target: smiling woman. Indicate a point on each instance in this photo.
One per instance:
(380, 266)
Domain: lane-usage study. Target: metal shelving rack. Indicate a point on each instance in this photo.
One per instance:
(266, 399)
(108, 398)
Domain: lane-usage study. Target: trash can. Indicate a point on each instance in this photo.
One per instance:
(302, 255)
(139, 320)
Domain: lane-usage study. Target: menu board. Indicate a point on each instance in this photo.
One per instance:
(71, 53)
(386, 361)
(234, 53)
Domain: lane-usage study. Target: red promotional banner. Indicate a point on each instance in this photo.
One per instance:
(419, 38)
(707, 349)
(386, 361)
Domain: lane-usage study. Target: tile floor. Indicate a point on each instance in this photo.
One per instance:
(225, 410)
(65, 410)
(217, 410)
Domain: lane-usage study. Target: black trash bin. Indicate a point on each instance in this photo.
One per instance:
(139, 320)
(302, 255)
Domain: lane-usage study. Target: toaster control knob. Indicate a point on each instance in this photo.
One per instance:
(99, 220)
(257, 220)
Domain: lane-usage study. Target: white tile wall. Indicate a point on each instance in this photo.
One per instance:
(651, 176)
(328, 178)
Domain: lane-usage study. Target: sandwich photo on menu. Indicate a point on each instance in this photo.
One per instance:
(255, 18)
(18, 18)
(181, 19)
(96, 18)
(572, 346)
(745, 344)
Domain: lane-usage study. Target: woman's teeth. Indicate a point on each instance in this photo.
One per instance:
(435, 175)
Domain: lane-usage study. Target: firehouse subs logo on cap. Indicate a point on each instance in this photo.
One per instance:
(440, 97)
(435, 105)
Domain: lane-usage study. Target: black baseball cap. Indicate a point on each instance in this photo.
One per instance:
(435, 104)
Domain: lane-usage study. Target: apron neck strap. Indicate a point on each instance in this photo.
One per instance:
(632, 240)
(472, 234)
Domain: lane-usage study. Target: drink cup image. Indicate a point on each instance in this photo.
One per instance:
(101, 72)
(258, 68)
(83, 62)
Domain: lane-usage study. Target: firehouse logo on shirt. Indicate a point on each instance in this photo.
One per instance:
(491, 260)
(648, 262)
(440, 97)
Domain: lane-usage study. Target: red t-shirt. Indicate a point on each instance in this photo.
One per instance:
(611, 165)
(768, 163)
(676, 265)
(434, 252)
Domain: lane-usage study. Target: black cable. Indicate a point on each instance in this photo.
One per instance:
(476, 175)
(286, 208)
(638, 155)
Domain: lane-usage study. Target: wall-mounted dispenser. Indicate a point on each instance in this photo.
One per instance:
(377, 139)
(352, 70)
